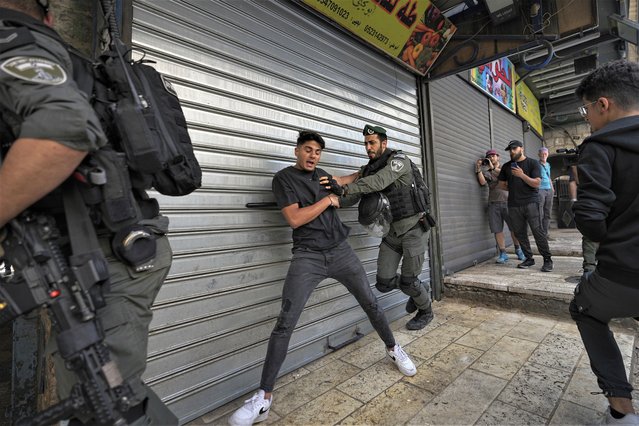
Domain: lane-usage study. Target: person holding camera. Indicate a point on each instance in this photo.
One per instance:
(521, 176)
(487, 170)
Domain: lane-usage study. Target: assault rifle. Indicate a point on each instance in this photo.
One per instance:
(43, 278)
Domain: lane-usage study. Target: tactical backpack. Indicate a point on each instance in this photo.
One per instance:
(145, 112)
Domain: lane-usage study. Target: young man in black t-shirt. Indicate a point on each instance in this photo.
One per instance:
(320, 251)
(521, 176)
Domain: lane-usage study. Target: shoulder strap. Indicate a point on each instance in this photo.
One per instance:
(87, 260)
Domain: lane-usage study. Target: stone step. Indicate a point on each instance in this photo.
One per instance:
(527, 289)
(562, 243)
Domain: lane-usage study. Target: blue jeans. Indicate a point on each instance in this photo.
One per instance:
(308, 268)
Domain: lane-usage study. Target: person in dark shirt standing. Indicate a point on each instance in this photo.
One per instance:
(607, 212)
(521, 176)
(320, 251)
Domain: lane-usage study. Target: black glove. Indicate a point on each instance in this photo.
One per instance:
(332, 185)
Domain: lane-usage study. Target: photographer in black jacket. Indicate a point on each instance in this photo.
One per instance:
(607, 211)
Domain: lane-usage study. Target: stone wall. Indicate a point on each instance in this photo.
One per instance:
(567, 136)
(633, 14)
(73, 19)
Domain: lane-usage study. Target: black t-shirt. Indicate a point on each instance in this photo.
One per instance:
(519, 192)
(294, 186)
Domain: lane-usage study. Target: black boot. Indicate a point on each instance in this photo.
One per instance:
(410, 306)
(421, 320)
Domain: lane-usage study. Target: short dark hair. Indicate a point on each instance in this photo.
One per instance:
(309, 135)
(617, 80)
(32, 8)
(382, 137)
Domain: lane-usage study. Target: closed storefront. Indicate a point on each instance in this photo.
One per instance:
(532, 143)
(505, 126)
(250, 75)
(461, 135)
(466, 123)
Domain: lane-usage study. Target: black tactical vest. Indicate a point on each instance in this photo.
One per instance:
(401, 197)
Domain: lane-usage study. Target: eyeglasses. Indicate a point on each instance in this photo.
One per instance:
(583, 111)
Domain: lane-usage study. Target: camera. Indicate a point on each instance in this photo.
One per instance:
(485, 162)
(571, 157)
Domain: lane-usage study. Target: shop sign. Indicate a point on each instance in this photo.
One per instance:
(528, 106)
(413, 32)
(497, 79)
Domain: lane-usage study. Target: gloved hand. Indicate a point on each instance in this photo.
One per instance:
(331, 184)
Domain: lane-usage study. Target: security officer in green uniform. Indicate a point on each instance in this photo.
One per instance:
(47, 128)
(390, 172)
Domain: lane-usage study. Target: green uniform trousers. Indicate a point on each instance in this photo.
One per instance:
(410, 249)
(125, 319)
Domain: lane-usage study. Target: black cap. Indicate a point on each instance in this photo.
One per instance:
(514, 144)
(371, 130)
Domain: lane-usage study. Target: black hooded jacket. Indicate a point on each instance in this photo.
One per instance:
(607, 210)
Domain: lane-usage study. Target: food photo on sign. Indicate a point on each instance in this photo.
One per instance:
(430, 35)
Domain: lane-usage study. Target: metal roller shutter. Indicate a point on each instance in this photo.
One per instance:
(461, 135)
(532, 143)
(505, 127)
(250, 75)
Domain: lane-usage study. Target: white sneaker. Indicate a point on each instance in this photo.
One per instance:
(628, 419)
(402, 361)
(254, 410)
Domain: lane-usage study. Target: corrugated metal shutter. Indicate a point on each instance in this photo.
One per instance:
(532, 143)
(250, 74)
(505, 127)
(461, 135)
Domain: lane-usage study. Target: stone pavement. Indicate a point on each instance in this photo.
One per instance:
(479, 362)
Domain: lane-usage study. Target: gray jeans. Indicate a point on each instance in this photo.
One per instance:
(308, 268)
(545, 199)
(597, 300)
(529, 215)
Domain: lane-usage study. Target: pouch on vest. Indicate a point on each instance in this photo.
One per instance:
(108, 187)
(421, 195)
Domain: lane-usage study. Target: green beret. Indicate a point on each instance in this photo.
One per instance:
(371, 130)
